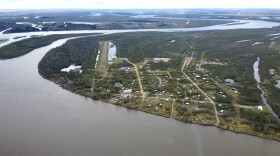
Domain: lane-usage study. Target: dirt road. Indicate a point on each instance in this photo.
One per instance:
(138, 77)
(186, 61)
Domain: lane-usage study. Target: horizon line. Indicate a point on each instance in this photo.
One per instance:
(140, 8)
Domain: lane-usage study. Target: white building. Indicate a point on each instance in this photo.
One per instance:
(128, 91)
(260, 108)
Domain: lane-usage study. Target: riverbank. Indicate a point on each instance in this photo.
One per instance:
(199, 122)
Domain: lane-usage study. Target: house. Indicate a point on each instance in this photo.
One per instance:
(156, 109)
(229, 81)
(201, 102)
(260, 108)
(156, 60)
(117, 84)
(128, 91)
(272, 71)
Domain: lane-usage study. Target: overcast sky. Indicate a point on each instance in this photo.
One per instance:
(137, 4)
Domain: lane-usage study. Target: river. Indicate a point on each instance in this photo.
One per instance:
(239, 24)
(38, 118)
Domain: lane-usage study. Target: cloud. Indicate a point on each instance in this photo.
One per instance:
(137, 4)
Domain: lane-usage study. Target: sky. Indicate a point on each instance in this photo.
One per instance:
(136, 4)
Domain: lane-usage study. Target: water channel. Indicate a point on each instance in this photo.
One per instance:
(258, 79)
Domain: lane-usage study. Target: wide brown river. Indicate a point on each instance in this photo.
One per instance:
(38, 118)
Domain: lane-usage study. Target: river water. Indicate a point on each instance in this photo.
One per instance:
(258, 79)
(38, 118)
(240, 24)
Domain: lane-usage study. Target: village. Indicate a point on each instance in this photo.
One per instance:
(188, 94)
